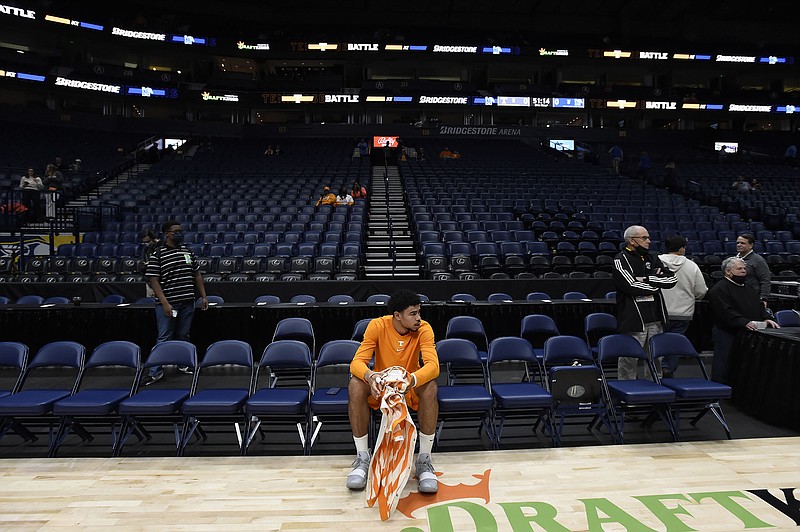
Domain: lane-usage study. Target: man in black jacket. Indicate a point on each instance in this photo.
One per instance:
(735, 306)
(639, 278)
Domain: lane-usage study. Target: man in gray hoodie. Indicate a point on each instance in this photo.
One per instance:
(680, 298)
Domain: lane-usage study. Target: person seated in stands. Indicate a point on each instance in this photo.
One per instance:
(363, 147)
(76, 166)
(445, 153)
(343, 198)
(269, 150)
(740, 185)
(327, 197)
(755, 184)
(358, 191)
(278, 149)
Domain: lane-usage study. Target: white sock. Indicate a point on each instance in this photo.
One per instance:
(425, 443)
(362, 443)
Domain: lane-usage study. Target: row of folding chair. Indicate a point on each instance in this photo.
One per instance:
(264, 249)
(576, 384)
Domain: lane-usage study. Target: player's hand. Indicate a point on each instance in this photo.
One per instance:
(375, 385)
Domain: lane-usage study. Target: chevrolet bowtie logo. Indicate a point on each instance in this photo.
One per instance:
(323, 46)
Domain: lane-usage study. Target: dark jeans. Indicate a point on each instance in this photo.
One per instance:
(679, 327)
(32, 199)
(173, 328)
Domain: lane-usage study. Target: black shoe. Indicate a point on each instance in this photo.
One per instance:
(186, 369)
(147, 380)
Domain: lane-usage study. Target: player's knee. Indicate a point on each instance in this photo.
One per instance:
(428, 391)
(357, 389)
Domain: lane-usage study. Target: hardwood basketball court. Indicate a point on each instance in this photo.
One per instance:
(720, 485)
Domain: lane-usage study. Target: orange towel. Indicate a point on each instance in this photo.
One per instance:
(394, 452)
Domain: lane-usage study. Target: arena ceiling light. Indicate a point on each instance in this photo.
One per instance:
(73, 22)
(15, 47)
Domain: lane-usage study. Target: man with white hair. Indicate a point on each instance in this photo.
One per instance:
(735, 307)
(639, 278)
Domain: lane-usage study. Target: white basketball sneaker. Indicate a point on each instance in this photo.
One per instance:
(357, 479)
(425, 475)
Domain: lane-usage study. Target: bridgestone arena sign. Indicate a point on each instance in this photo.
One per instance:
(481, 131)
(451, 100)
(87, 85)
(139, 34)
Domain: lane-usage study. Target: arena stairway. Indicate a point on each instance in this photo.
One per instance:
(389, 252)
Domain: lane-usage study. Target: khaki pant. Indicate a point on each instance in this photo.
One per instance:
(627, 367)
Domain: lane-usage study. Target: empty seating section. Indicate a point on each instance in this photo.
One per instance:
(28, 144)
(504, 208)
(237, 209)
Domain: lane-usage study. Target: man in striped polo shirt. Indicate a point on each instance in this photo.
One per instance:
(173, 274)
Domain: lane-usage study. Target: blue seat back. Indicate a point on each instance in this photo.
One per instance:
(30, 299)
(565, 349)
(56, 300)
(337, 352)
(115, 353)
(613, 346)
(228, 352)
(341, 298)
(508, 348)
(469, 328)
(359, 329)
(458, 351)
(787, 318)
(575, 295)
(673, 344)
(295, 329)
(65, 354)
(286, 354)
(172, 352)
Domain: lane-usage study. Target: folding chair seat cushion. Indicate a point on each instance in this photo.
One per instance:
(464, 397)
(91, 402)
(154, 402)
(698, 388)
(335, 403)
(282, 401)
(521, 395)
(212, 402)
(640, 391)
(30, 402)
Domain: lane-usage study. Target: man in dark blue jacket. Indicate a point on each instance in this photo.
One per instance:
(639, 278)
